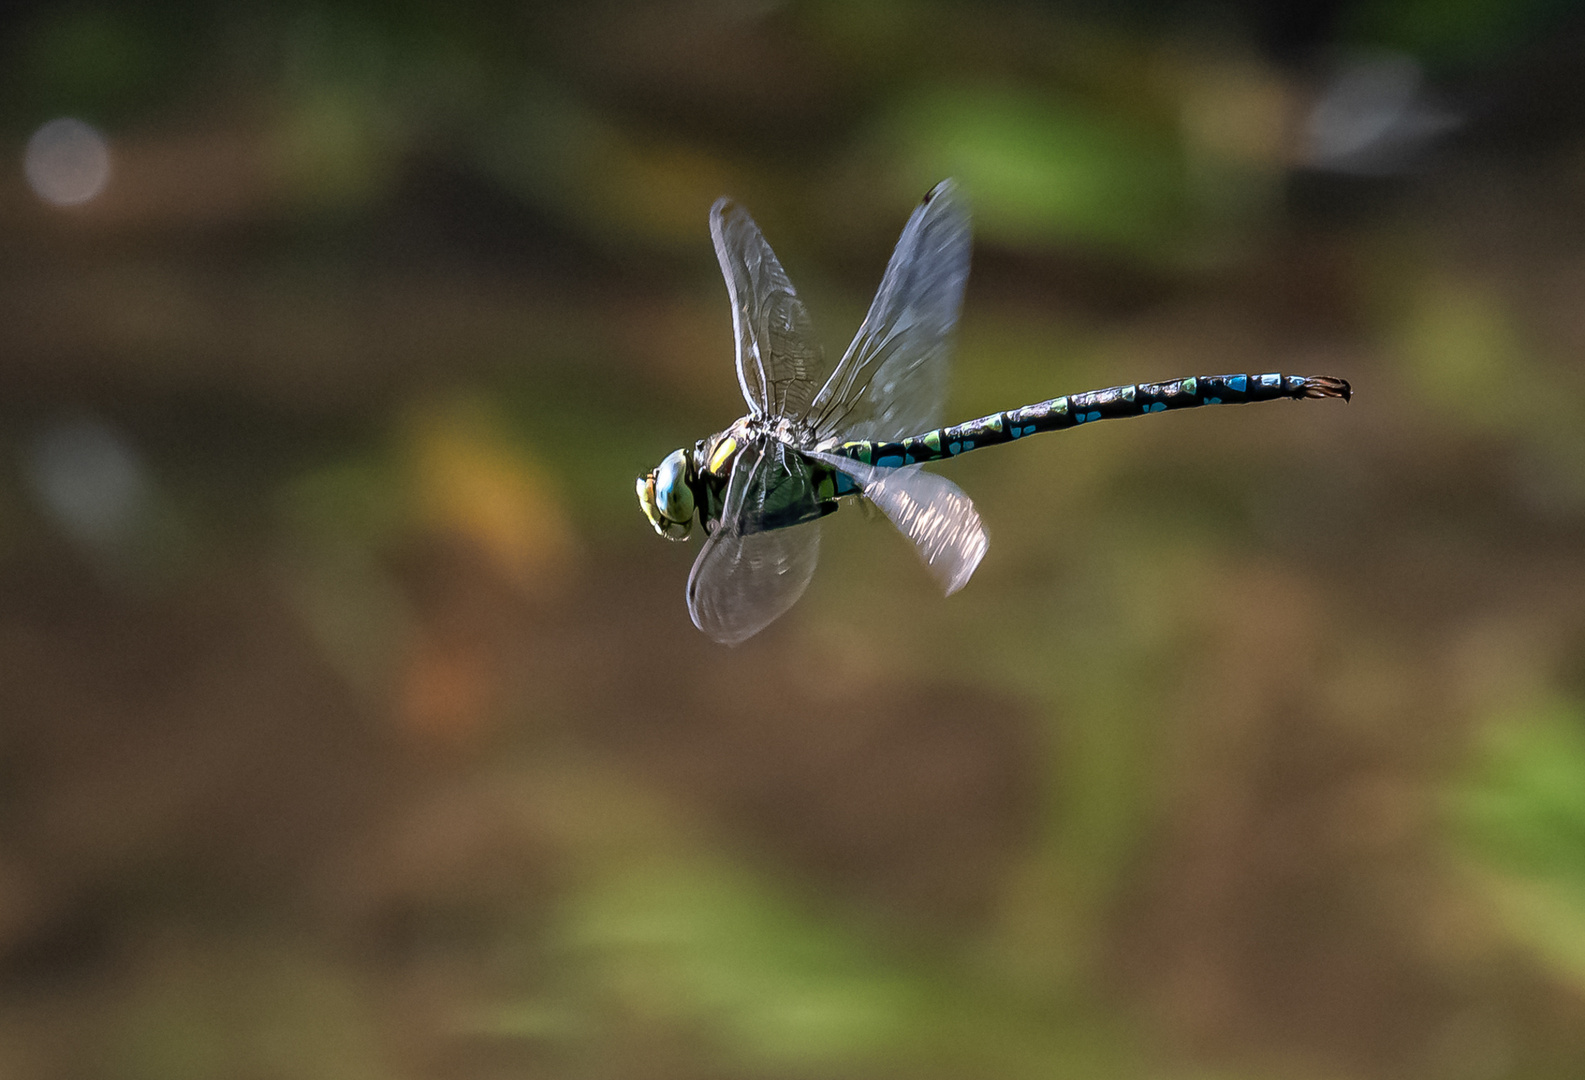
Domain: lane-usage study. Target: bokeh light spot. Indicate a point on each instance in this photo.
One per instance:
(67, 162)
(89, 479)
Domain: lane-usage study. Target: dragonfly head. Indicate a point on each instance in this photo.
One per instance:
(666, 495)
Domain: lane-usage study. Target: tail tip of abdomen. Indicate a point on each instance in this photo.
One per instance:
(1325, 386)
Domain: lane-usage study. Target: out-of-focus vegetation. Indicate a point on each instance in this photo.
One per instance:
(351, 719)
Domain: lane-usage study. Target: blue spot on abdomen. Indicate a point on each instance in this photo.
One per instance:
(1238, 383)
(890, 461)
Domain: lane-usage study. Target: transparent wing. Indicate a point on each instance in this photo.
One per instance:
(930, 510)
(893, 380)
(744, 580)
(779, 365)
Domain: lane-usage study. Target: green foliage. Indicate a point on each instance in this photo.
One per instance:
(1046, 168)
(96, 60)
(688, 945)
(1455, 34)
(724, 954)
(1521, 813)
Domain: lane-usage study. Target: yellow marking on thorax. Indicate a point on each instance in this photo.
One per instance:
(723, 454)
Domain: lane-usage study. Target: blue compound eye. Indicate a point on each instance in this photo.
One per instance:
(673, 496)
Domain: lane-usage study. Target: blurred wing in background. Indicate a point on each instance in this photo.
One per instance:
(893, 380)
(930, 510)
(747, 576)
(779, 365)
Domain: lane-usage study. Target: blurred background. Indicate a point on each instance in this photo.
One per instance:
(351, 720)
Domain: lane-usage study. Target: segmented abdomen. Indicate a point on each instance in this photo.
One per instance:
(1117, 401)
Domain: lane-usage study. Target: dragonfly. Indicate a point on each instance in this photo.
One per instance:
(817, 434)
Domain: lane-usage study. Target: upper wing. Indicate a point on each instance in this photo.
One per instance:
(779, 365)
(930, 510)
(893, 380)
(747, 576)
